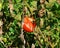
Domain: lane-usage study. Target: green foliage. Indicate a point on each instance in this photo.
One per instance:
(47, 31)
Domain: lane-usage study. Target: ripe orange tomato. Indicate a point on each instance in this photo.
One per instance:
(28, 24)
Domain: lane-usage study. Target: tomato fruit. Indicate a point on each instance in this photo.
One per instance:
(28, 24)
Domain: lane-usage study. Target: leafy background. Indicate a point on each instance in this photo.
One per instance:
(47, 17)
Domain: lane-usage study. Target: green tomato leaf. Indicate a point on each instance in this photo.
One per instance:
(11, 29)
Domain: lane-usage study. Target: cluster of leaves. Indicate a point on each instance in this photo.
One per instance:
(47, 31)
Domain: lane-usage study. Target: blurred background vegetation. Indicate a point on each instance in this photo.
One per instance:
(47, 17)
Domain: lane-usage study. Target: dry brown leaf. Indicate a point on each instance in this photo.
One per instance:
(58, 1)
(41, 12)
(33, 46)
(42, 1)
(1, 23)
(1, 14)
(1, 32)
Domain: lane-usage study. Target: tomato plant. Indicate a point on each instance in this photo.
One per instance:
(29, 23)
